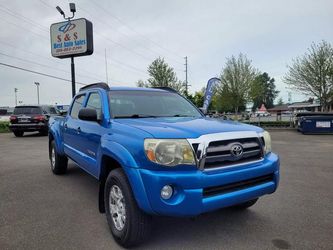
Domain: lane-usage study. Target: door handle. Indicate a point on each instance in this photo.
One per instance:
(78, 129)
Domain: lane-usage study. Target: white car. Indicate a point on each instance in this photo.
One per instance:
(262, 114)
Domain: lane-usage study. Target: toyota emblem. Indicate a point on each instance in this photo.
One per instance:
(236, 150)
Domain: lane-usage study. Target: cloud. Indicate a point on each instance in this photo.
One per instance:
(134, 33)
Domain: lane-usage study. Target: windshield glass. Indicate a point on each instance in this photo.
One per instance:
(27, 110)
(140, 104)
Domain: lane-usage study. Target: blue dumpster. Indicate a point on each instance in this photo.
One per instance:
(316, 124)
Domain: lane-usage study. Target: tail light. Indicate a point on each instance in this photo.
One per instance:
(12, 118)
(40, 118)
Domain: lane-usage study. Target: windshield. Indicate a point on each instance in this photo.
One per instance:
(27, 110)
(141, 104)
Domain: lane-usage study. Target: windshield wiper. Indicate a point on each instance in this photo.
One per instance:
(136, 116)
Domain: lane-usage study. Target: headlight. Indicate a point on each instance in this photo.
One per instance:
(268, 142)
(169, 152)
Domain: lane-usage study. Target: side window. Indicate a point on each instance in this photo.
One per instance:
(94, 102)
(77, 104)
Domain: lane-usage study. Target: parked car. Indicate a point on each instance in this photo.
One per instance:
(31, 118)
(62, 109)
(262, 114)
(154, 153)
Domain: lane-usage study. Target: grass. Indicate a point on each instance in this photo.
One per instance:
(4, 127)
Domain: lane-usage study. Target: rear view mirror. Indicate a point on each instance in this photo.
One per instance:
(88, 114)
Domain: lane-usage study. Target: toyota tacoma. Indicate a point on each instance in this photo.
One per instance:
(154, 153)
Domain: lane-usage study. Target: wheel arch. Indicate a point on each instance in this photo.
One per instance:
(109, 163)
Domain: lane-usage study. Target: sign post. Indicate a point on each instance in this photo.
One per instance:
(73, 76)
(71, 38)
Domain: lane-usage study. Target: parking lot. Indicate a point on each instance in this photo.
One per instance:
(39, 210)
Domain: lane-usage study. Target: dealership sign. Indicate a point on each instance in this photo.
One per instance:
(72, 38)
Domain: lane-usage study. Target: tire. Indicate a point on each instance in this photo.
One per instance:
(246, 205)
(43, 132)
(58, 162)
(18, 133)
(135, 227)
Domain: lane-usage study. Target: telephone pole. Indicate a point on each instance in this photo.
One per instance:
(37, 85)
(15, 90)
(186, 83)
(106, 68)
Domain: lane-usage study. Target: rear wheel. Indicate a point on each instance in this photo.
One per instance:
(43, 132)
(129, 225)
(18, 133)
(246, 205)
(58, 162)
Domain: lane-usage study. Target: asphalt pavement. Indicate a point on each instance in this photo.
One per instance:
(39, 210)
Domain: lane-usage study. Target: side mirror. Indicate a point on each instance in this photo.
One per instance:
(88, 114)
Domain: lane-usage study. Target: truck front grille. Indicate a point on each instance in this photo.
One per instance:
(232, 187)
(235, 151)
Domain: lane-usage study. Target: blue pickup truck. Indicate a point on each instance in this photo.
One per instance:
(154, 153)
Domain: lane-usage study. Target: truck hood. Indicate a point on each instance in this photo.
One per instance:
(185, 127)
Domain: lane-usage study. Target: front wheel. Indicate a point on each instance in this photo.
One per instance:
(129, 225)
(58, 162)
(246, 204)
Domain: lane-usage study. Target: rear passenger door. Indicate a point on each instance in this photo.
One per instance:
(71, 130)
(90, 135)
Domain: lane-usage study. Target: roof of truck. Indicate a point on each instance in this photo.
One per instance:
(106, 87)
(135, 89)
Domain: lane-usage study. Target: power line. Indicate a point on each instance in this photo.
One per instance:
(43, 65)
(43, 74)
(19, 16)
(44, 29)
(131, 28)
(25, 29)
(49, 59)
(46, 66)
(38, 73)
(107, 24)
(110, 40)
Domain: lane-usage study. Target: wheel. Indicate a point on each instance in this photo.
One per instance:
(43, 132)
(128, 224)
(58, 162)
(18, 133)
(245, 205)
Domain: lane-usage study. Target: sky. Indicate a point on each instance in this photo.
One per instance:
(133, 33)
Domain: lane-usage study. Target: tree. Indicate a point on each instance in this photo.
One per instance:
(197, 99)
(162, 75)
(223, 101)
(280, 101)
(236, 79)
(312, 73)
(263, 91)
(140, 84)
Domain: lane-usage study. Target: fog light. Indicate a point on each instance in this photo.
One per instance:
(166, 192)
